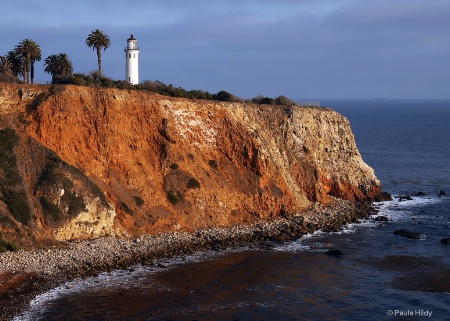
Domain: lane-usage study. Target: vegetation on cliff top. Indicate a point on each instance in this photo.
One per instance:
(20, 62)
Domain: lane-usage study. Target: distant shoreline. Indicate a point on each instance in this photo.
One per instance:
(25, 274)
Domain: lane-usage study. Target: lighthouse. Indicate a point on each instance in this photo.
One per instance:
(132, 61)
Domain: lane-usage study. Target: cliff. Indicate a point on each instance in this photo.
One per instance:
(79, 162)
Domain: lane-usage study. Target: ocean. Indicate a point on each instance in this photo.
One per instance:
(380, 276)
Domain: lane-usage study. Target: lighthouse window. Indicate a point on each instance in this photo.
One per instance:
(129, 55)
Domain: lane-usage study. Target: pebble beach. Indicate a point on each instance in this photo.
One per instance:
(27, 273)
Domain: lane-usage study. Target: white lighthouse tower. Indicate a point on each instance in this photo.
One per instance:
(132, 61)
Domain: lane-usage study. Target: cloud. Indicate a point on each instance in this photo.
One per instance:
(309, 48)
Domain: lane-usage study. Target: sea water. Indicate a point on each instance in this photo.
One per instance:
(379, 277)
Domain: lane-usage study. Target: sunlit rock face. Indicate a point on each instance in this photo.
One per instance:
(96, 162)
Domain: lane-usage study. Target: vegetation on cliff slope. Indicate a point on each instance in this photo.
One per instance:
(12, 192)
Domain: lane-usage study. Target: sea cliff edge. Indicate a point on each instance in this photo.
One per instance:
(140, 176)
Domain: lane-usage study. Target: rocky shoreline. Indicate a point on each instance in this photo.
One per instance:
(24, 274)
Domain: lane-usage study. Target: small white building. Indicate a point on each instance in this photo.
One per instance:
(132, 61)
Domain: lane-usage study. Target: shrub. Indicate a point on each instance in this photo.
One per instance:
(225, 96)
(174, 197)
(9, 79)
(5, 220)
(125, 208)
(8, 162)
(283, 100)
(174, 166)
(263, 100)
(12, 192)
(193, 183)
(49, 175)
(74, 203)
(213, 164)
(17, 204)
(280, 100)
(138, 200)
(7, 246)
(51, 209)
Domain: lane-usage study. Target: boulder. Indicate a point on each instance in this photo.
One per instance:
(403, 198)
(408, 234)
(381, 219)
(421, 194)
(446, 240)
(442, 193)
(336, 253)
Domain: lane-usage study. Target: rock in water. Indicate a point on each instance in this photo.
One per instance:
(403, 198)
(446, 240)
(408, 234)
(336, 253)
(442, 193)
(381, 219)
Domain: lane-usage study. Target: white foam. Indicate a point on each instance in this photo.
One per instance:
(394, 210)
(397, 210)
(416, 201)
(116, 279)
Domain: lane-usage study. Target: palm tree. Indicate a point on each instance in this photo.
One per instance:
(16, 63)
(35, 56)
(58, 65)
(31, 52)
(5, 66)
(98, 40)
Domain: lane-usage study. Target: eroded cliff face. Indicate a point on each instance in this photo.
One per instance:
(93, 162)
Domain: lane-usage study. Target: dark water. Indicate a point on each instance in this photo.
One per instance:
(408, 145)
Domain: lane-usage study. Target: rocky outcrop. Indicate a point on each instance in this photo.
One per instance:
(94, 162)
(408, 234)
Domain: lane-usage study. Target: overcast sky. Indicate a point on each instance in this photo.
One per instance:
(307, 49)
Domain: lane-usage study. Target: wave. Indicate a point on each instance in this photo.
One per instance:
(395, 210)
(116, 280)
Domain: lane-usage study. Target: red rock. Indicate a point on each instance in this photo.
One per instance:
(126, 142)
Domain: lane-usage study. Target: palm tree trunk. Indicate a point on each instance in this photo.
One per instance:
(99, 56)
(28, 68)
(25, 73)
(32, 72)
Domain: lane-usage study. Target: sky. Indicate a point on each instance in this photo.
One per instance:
(302, 49)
